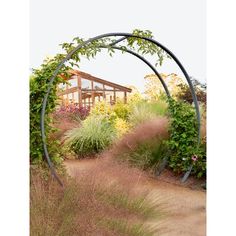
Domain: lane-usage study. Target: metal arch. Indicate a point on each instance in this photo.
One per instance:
(146, 62)
(180, 66)
(118, 41)
(69, 55)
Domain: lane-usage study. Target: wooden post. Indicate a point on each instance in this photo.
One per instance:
(89, 102)
(104, 95)
(125, 97)
(114, 95)
(93, 97)
(110, 99)
(79, 91)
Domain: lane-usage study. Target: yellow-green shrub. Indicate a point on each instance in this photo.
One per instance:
(122, 126)
(122, 110)
(104, 109)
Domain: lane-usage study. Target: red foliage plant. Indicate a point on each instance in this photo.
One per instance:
(72, 110)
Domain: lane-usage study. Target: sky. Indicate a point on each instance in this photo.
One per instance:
(179, 25)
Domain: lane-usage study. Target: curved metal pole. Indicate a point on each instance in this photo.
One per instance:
(186, 175)
(147, 63)
(69, 55)
(125, 35)
(182, 69)
(118, 41)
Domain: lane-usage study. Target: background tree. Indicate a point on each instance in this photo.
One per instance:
(154, 89)
(185, 93)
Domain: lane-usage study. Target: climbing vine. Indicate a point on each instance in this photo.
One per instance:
(40, 78)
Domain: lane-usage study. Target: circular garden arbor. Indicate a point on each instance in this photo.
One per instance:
(137, 44)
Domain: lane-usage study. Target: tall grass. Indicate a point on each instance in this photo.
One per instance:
(139, 114)
(159, 108)
(95, 134)
(86, 207)
(144, 146)
(122, 227)
(146, 156)
(144, 111)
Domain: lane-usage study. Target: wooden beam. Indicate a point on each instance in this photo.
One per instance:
(75, 89)
(101, 90)
(70, 90)
(98, 80)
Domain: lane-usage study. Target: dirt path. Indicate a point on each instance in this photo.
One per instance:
(184, 207)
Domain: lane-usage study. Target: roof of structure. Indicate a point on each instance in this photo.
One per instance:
(98, 80)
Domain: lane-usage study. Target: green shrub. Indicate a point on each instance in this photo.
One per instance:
(183, 140)
(95, 134)
(38, 86)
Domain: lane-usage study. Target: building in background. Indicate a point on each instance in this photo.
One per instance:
(85, 90)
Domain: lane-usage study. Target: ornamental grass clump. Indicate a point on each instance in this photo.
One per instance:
(144, 146)
(144, 111)
(90, 204)
(159, 108)
(95, 134)
(140, 113)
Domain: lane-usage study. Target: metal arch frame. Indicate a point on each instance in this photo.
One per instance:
(69, 55)
(147, 63)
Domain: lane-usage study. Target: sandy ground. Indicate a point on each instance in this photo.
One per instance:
(184, 207)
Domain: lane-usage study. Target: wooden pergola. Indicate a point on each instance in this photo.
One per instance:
(85, 90)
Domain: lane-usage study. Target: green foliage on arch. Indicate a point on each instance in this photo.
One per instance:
(184, 149)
